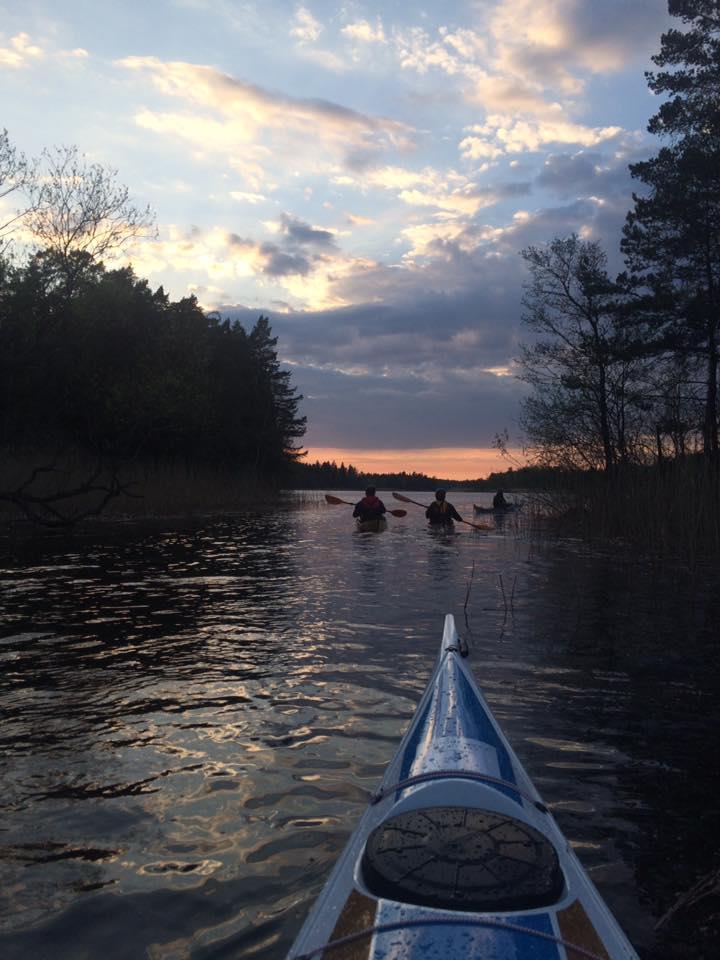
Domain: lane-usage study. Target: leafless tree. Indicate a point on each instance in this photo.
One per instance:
(580, 412)
(16, 173)
(80, 212)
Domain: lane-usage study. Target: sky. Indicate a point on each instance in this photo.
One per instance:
(364, 174)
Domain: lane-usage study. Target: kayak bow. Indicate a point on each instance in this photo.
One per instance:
(457, 856)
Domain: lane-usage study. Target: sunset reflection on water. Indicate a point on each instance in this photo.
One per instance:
(195, 718)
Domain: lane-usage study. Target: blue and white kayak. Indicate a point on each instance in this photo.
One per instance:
(456, 855)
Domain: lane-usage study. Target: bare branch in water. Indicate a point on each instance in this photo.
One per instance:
(59, 507)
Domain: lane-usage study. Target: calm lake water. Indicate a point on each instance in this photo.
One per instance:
(194, 717)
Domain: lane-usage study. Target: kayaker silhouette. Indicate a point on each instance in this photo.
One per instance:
(370, 507)
(442, 512)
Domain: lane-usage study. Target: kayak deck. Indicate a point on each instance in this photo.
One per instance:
(456, 855)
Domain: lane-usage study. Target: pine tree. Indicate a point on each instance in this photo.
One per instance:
(671, 238)
(277, 425)
(693, 83)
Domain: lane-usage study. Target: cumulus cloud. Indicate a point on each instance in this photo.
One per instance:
(19, 52)
(364, 31)
(506, 134)
(527, 64)
(600, 37)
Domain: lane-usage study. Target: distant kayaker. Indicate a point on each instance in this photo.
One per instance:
(442, 512)
(370, 507)
(499, 501)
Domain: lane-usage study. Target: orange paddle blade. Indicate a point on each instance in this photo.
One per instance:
(335, 500)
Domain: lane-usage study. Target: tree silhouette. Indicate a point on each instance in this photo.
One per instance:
(671, 238)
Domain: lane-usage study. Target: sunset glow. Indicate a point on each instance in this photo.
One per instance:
(365, 175)
(451, 463)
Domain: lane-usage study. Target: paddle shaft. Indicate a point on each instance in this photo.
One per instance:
(404, 499)
(336, 500)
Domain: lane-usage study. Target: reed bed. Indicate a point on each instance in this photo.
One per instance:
(672, 511)
(151, 489)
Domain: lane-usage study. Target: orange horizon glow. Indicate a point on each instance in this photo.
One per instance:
(450, 463)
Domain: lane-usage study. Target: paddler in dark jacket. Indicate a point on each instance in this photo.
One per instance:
(440, 511)
(370, 507)
(499, 501)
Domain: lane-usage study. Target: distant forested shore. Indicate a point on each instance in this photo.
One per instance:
(329, 475)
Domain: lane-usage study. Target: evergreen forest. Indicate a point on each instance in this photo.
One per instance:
(102, 379)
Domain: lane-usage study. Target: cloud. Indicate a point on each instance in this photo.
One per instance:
(243, 197)
(300, 233)
(465, 201)
(236, 113)
(589, 173)
(357, 220)
(416, 50)
(20, 52)
(414, 413)
(527, 64)
(364, 31)
(447, 190)
(468, 44)
(306, 29)
(278, 263)
(600, 37)
(506, 134)
(427, 343)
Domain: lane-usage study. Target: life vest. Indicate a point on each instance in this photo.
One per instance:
(371, 503)
(439, 512)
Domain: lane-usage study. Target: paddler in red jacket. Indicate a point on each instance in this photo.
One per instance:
(370, 507)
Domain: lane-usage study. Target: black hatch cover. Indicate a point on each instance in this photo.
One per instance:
(459, 858)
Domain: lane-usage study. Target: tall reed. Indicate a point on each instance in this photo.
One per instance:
(154, 488)
(671, 510)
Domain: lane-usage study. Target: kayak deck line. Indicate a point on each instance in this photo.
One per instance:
(456, 856)
(456, 775)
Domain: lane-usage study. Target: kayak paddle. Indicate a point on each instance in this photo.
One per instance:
(403, 499)
(335, 500)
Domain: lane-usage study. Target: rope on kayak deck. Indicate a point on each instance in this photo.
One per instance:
(570, 948)
(456, 775)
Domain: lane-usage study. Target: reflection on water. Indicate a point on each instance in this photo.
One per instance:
(194, 718)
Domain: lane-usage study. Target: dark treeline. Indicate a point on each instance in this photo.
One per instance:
(624, 370)
(122, 372)
(99, 369)
(331, 476)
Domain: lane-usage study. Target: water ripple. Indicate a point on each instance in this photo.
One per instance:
(194, 718)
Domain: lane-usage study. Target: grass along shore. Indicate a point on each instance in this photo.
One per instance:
(74, 486)
(671, 511)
